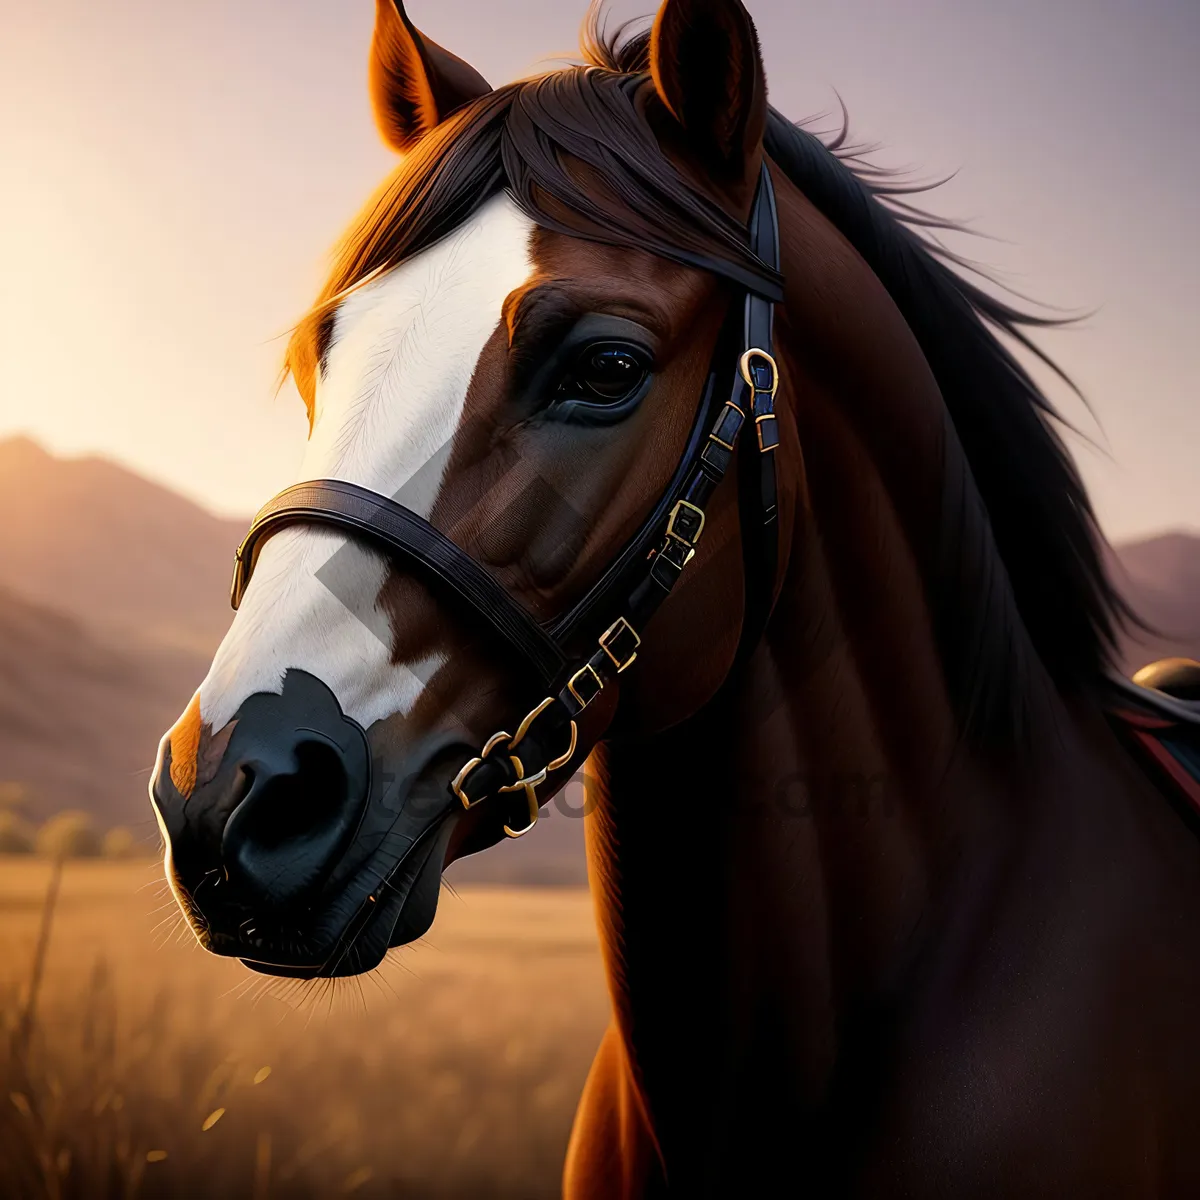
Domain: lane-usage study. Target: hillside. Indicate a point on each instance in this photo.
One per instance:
(80, 717)
(1161, 578)
(88, 538)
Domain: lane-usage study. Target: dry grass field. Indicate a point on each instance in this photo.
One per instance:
(152, 1069)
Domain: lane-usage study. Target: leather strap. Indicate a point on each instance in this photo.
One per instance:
(760, 513)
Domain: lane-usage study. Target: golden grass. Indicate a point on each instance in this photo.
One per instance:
(154, 1069)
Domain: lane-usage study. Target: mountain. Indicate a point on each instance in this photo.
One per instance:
(80, 717)
(113, 597)
(88, 538)
(1161, 579)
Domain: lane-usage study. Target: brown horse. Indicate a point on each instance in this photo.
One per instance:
(886, 908)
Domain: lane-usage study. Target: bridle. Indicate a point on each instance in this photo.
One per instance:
(545, 741)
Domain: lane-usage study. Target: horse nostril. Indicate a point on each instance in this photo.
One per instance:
(242, 785)
(288, 808)
(284, 837)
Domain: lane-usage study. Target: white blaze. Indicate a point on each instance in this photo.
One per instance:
(403, 351)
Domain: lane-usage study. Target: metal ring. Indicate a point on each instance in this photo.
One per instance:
(461, 778)
(530, 717)
(531, 795)
(563, 759)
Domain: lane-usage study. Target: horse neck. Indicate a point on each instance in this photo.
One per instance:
(768, 872)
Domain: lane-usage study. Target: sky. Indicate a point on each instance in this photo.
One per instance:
(173, 175)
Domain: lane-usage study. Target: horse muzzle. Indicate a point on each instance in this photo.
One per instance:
(293, 851)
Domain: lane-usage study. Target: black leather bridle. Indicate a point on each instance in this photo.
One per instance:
(634, 585)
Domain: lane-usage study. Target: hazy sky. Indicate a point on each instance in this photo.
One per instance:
(172, 175)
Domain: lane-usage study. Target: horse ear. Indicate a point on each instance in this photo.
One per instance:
(708, 71)
(414, 83)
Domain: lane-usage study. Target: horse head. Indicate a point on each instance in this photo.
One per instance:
(515, 346)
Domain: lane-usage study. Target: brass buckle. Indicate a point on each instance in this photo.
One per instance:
(744, 368)
(554, 763)
(586, 669)
(671, 530)
(610, 634)
(527, 783)
(461, 778)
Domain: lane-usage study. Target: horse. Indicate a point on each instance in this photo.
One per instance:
(886, 906)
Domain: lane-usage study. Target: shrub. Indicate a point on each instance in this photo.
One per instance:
(16, 836)
(69, 835)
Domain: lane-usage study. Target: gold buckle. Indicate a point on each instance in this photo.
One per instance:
(679, 537)
(554, 763)
(586, 669)
(457, 786)
(531, 716)
(744, 368)
(613, 631)
(527, 783)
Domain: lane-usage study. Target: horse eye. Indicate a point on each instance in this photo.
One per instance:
(605, 375)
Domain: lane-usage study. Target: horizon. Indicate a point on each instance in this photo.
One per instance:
(176, 177)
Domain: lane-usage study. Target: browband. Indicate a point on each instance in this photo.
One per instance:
(546, 738)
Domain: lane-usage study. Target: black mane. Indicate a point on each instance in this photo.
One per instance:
(1036, 515)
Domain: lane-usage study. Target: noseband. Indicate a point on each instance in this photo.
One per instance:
(518, 763)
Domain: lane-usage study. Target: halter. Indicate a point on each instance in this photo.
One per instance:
(519, 763)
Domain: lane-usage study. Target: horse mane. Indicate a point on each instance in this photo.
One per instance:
(1021, 559)
(1019, 536)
